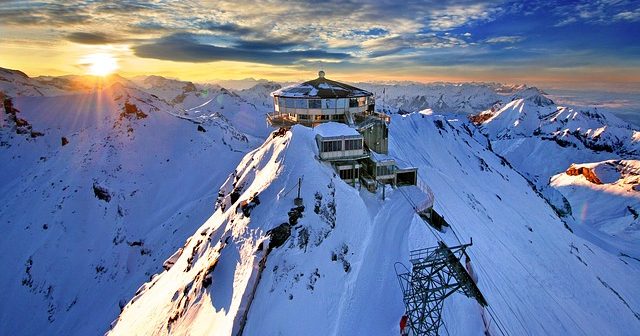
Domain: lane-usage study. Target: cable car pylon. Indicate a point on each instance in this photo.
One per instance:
(436, 273)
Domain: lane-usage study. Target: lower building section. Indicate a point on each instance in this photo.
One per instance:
(349, 171)
(360, 154)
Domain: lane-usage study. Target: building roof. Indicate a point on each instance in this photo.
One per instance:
(380, 158)
(321, 87)
(334, 129)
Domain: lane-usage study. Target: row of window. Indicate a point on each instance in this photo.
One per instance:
(336, 145)
(319, 117)
(353, 144)
(332, 146)
(339, 103)
(350, 174)
(384, 170)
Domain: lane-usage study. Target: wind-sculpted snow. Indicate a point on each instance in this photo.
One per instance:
(106, 186)
(543, 141)
(208, 102)
(466, 98)
(92, 207)
(538, 276)
(303, 281)
(334, 274)
(608, 203)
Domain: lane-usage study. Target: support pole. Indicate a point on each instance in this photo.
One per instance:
(298, 200)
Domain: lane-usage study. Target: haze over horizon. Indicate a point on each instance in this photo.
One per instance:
(577, 44)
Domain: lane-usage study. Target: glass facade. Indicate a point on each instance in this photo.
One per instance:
(317, 110)
(353, 144)
(315, 103)
(384, 170)
(350, 174)
(332, 146)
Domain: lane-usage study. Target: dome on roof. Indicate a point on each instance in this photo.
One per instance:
(321, 87)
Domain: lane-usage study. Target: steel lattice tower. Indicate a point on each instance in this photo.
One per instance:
(436, 273)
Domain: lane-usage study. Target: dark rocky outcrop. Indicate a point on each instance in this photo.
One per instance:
(132, 110)
(279, 235)
(101, 193)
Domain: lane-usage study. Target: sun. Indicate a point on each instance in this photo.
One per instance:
(100, 64)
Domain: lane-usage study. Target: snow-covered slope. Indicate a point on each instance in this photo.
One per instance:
(16, 83)
(103, 181)
(97, 189)
(209, 102)
(444, 97)
(334, 275)
(541, 139)
(208, 288)
(531, 267)
(605, 196)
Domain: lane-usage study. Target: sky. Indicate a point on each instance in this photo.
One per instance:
(565, 44)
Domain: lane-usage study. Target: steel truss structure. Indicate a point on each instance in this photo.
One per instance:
(436, 273)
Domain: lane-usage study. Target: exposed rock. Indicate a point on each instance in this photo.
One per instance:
(588, 173)
(101, 193)
(132, 110)
(201, 129)
(480, 118)
(35, 134)
(64, 141)
(279, 235)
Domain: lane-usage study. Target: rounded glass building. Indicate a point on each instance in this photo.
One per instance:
(320, 100)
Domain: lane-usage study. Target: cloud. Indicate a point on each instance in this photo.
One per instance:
(214, 26)
(265, 44)
(459, 15)
(602, 12)
(186, 48)
(91, 38)
(628, 15)
(505, 39)
(42, 13)
(353, 32)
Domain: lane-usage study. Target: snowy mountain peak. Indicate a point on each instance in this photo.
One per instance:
(534, 95)
(10, 73)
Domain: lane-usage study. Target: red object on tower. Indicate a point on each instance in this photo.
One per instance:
(403, 325)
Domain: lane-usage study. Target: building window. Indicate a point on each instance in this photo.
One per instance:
(315, 103)
(304, 116)
(289, 102)
(353, 144)
(337, 117)
(350, 174)
(362, 101)
(329, 103)
(353, 102)
(301, 103)
(384, 170)
(332, 146)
